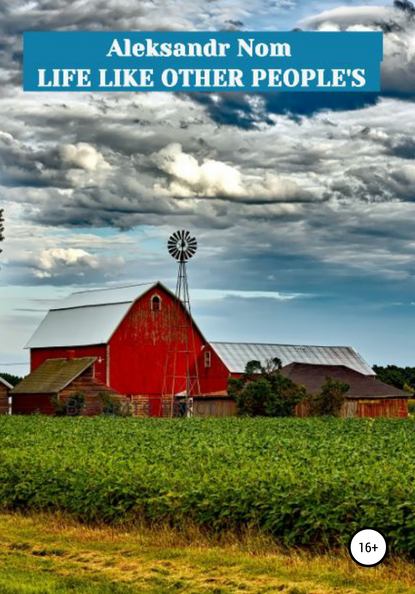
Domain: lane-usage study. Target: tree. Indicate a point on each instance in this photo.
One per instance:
(329, 400)
(400, 377)
(264, 391)
(12, 379)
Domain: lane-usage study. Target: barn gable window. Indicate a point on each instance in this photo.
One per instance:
(208, 359)
(155, 303)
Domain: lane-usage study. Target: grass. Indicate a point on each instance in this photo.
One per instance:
(48, 554)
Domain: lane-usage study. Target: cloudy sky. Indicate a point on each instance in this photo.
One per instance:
(303, 204)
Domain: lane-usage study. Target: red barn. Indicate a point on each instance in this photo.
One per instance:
(137, 336)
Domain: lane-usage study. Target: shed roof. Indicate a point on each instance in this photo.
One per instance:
(5, 383)
(360, 386)
(236, 355)
(53, 375)
(87, 317)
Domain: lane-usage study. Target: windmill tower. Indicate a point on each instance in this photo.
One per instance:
(182, 377)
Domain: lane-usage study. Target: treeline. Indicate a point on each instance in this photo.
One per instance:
(12, 379)
(400, 377)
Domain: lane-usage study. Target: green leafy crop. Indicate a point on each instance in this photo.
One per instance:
(307, 482)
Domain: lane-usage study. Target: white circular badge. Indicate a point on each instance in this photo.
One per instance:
(368, 547)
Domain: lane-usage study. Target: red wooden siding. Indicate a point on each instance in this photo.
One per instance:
(37, 356)
(381, 407)
(143, 343)
(214, 378)
(26, 404)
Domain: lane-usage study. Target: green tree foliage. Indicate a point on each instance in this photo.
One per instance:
(400, 377)
(264, 391)
(329, 400)
(12, 379)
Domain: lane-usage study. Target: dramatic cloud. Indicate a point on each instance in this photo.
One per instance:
(82, 155)
(304, 204)
(212, 178)
(398, 25)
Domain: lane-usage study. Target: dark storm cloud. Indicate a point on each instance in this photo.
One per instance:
(107, 161)
(237, 110)
(398, 71)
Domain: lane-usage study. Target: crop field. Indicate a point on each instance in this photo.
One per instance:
(300, 482)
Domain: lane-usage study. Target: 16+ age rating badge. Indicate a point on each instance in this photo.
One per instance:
(368, 547)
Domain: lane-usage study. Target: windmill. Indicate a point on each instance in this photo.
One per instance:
(183, 378)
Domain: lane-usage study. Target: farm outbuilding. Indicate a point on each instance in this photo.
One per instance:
(367, 396)
(5, 398)
(55, 383)
(129, 334)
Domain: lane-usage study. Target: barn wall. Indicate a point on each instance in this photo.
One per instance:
(38, 356)
(4, 399)
(27, 404)
(143, 347)
(396, 407)
(214, 378)
(151, 406)
(380, 407)
(214, 407)
(91, 389)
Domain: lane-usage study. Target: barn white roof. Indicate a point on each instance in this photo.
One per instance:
(236, 355)
(85, 318)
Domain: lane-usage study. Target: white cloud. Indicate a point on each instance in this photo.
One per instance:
(55, 257)
(213, 178)
(83, 156)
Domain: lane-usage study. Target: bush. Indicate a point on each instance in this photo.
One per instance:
(72, 407)
(113, 406)
(264, 391)
(330, 399)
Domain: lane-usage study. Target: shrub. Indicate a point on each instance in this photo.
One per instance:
(113, 406)
(330, 399)
(264, 391)
(70, 407)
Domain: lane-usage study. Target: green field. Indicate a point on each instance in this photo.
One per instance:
(302, 482)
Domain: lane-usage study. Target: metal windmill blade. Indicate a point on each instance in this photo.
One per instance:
(181, 245)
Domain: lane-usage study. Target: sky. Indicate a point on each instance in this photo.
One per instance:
(302, 204)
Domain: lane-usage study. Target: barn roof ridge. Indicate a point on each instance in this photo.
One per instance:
(285, 344)
(67, 302)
